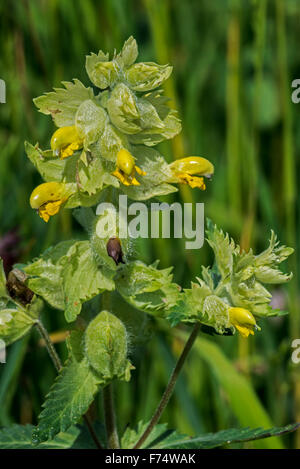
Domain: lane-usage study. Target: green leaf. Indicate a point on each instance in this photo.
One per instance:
(93, 177)
(226, 437)
(123, 110)
(110, 143)
(147, 288)
(106, 347)
(90, 121)
(62, 104)
(160, 435)
(223, 248)
(14, 324)
(146, 76)
(19, 437)
(82, 278)
(100, 70)
(53, 169)
(68, 399)
(162, 438)
(68, 275)
(128, 54)
(153, 184)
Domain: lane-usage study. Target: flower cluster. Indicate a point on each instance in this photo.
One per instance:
(107, 139)
(232, 295)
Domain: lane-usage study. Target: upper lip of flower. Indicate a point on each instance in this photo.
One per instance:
(243, 320)
(190, 170)
(65, 141)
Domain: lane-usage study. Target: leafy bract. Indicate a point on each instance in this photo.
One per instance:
(106, 347)
(147, 288)
(62, 103)
(68, 279)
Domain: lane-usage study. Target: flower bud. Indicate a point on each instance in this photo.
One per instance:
(146, 76)
(114, 250)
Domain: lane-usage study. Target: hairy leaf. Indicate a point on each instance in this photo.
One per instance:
(68, 399)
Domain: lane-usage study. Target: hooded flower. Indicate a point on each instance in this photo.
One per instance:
(65, 141)
(243, 321)
(47, 198)
(126, 169)
(187, 171)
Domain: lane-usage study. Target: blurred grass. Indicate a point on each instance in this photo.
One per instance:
(233, 65)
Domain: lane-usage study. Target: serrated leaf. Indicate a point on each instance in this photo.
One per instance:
(159, 436)
(52, 169)
(106, 346)
(225, 437)
(19, 437)
(82, 278)
(62, 104)
(68, 275)
(68, 399)
(223, 248)
(147, 288)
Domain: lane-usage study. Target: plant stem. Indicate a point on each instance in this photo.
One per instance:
(50, 347)
(170, 386)
(110, 418)
(58, 366)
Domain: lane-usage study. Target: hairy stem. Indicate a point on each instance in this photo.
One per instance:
(170, 387)
(110, 418)
(49, 346)
(58, 366)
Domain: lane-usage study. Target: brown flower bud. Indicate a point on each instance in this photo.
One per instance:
(16, 287)
(114, 250)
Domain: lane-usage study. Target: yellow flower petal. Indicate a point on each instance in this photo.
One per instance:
(187, 171)
(192, 181)
(65, 141)
(126, 169)
(243, 320)
(47, 198)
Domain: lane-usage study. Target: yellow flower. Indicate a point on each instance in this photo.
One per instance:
(187, 171)
(126, 169)
(47, 198)
(243, 321)
(65, 141)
